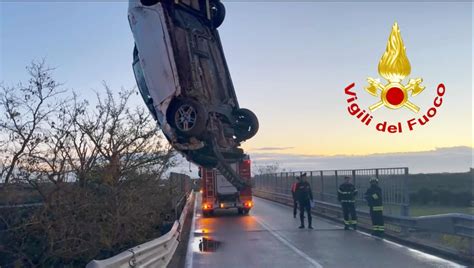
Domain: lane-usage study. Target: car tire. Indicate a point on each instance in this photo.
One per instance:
(240, 211)
(217, 13)
(246, 211)
(148, 3)
(187, 117)
(245, 125)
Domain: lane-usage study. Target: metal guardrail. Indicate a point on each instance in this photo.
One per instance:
(325, 183)
(403, 228)
(155, 253)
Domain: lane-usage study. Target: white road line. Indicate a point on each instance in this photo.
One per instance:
(446, 263)
(288, 244)
(189, 252)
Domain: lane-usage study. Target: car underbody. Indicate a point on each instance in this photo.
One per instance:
(184, 79)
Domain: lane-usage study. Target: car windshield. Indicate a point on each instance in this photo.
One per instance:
(142, 87)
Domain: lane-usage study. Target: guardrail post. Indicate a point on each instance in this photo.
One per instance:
(354, 178)
(275, 183)
(405, 203)
(471, 245)
(322, 185)
(405, 209)
(337, 183)
(264, 182)
(278, 184)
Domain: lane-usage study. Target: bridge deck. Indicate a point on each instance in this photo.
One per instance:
(269, 237)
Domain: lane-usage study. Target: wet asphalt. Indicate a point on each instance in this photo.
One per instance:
(269, 237)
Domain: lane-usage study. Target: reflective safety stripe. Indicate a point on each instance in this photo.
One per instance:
(378, 228)
(347, 222)
(375, 196)
(352, 222)
(347, 201)
(378, 208)
(341, 192)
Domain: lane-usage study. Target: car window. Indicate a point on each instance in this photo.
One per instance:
(142, 87)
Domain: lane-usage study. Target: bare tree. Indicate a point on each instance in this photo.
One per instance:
(24, 111)
(270, 168)
(126, 140)
(51, 139)
(80, 152)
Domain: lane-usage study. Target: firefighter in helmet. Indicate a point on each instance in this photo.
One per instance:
(373, 195)
(346, 195)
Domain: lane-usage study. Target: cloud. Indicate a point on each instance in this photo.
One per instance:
(271, 148)
(451, 159)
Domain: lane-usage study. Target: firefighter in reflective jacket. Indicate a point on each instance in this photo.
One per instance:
(373, 195)
(346, 195)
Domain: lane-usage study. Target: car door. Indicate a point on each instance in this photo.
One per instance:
(155, 52)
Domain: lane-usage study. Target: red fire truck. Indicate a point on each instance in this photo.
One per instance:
(219, 193)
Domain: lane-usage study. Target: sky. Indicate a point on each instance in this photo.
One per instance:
(290, 63)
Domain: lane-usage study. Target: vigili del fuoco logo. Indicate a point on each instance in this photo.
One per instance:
(393, 93)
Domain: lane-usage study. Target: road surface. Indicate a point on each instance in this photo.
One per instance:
(269, 237)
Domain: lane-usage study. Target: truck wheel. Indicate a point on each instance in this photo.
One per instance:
(149, 2)
(240, 211)
(188, 117)
(246, 211)
(217, 13)
(245, 125)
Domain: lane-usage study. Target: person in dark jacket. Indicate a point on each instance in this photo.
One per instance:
(373, 195)
(305, 198)
(346, 195)
(293, 194)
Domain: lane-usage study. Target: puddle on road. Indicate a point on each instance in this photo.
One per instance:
(204, 243)
(208, 245)
(199, 232)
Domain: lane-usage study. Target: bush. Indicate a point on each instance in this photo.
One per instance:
(463, 199)
(78, 224)
(425, 196)
(444, 197)
(441, 197)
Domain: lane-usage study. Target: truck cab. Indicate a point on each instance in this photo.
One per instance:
(219, 194)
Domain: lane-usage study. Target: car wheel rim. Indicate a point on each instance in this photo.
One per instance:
(243, 124)
(185, 117)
